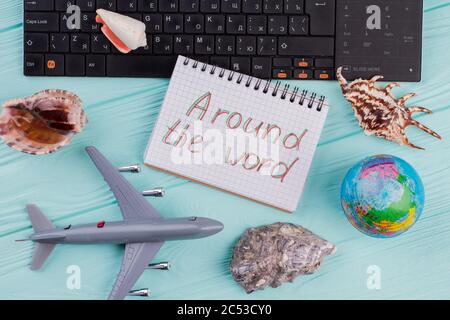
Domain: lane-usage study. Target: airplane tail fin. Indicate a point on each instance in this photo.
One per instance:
(39, 223)
(38, 220)
(40, 254)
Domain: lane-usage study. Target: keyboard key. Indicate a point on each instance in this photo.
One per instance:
(236, 24)
(88, 23)
(148, 49)
(75, 65)
(95, 66)
(59, 42)
(282, 62)
(107, 4)
(68, 25)
(246, 45)
(193, 23)
(293, 6)
(133, 15)
(86, 5)
(140, 66)
(273, 6)
(33, 65)
(225, 45)
(80, 43)
(100, 44)
(54, 64)
(306, 46)
(298, 25)
(323, 74)
(282, 74)
(231, 6)
(252, 6)
(36, 42)
(38, 5)
(215, 23)
(127, 5)
(267, 46)
(303, 62)
(261, 68)
(204, 59)
(153, 23)
(183, 44)
(189, 6)
(148, 5)
(210, 6)
(303, 74)
(324, 63)
(41, 22)
(204, 44)
(222, 62)
(322, 16)
(278, 25)
(162, 44)
(168, 5)
(256, 24)
(173, 23)
(240, 64)
(62, 5)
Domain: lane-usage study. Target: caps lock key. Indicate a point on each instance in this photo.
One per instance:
(41, 21)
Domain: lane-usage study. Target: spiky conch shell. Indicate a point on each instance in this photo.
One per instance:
(43, 122)
(379, 112)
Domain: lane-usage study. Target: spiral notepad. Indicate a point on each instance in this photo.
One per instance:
(251, 137)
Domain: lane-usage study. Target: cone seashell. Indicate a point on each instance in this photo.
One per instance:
(124, 32)
(43, 122)
(277, 253)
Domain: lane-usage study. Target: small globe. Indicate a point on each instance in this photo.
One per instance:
(382, 196)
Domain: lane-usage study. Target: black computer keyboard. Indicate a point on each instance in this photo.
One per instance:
(284, 39)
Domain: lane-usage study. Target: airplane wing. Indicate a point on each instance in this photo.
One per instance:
(132, 203)
(136, 258)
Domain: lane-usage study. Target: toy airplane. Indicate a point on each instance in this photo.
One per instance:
(143, 230)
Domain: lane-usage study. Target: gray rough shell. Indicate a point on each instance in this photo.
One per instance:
(273, 254)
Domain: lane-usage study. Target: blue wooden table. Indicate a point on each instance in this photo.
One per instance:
(121, 115)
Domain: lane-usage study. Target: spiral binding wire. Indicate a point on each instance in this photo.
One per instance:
(285, 92)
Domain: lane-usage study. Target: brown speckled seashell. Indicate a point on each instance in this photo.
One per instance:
(379, 112)
(43, 122)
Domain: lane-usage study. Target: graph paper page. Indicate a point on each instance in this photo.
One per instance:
(207, 110)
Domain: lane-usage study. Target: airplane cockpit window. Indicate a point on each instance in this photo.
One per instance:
(193, 218)
(68, 227)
